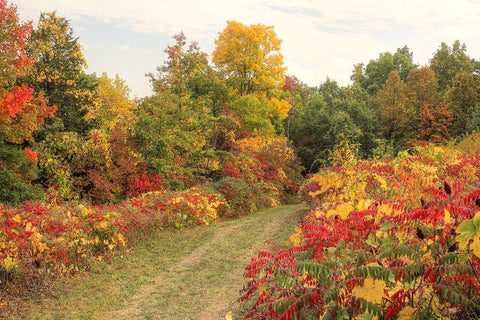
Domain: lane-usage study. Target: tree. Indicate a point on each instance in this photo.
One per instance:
(394, 113)
(250, 58)
(113, 156)
(447, 62)
(462, 99)
(21, 111)
(321, 129)
(433, 123)
(187, 73)
(422, 88)
(372, 76)
(112, 105)
(58, 71)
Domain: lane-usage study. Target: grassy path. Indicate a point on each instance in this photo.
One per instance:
(194, 273)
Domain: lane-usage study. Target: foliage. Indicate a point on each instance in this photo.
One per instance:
(22, 112)
(434, 123)
(324, 127)
(394, 112)
(463, 99)
(265, 174)
(250, 57)
(422, 88)
(448, 61)
(37, 239)
(372, 76)
(383, 239)
(112, 106)
(58, 71)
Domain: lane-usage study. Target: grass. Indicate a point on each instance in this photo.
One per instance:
(194, 273)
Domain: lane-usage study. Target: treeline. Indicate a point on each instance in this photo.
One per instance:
(68, 135)
(393, 104)
(228, 124)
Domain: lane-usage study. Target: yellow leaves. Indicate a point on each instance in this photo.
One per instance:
(251, 144)
(363, 204)
(84, 210)
(279, 108)
(101, 225)
(329, 181)
(385, 209)
(371, 290)
(342, 210)
(9, 263)
(406, 312)
(295, 238)
(121, 239)
(42, 246)
(228, 316)
(446, 219)
(382, 181)
(177, 200)
(475, 246)
(250, 55)
(17, 218)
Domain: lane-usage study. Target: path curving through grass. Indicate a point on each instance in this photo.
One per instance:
(195, 273)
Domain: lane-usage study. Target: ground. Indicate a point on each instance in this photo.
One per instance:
(194, 273)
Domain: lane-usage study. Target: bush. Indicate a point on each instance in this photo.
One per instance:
(383, 239)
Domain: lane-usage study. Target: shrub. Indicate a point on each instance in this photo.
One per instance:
(383, 239)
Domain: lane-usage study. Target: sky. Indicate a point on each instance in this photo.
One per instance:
(320, 38)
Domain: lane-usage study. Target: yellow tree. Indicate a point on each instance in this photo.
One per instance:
(250, 57)
(112, 104)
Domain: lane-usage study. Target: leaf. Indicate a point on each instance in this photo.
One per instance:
(228, 316)
(477, 201)
(448, 189)
(469, 230)
(466, 231)
(386, 226)
(447, 216)
(371, 290)
(9, 263)
(371, 241)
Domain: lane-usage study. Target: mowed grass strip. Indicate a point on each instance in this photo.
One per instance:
(194, 273)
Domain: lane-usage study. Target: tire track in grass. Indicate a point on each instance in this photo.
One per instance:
(195, 273)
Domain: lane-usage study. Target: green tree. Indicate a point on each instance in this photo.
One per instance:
(448, 61)
(254, 114)
(58, 71)
(372, 76)
(172, 133)
(321, 130)
(187, 73)
(462, 99)
(355, 102)
(175, 126)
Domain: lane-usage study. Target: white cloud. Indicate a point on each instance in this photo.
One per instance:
(125, 48)
(320, 37)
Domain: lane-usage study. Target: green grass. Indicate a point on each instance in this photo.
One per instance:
(194, 273)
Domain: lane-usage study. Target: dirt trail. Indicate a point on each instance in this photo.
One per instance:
(194, 273)
(222, 259)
